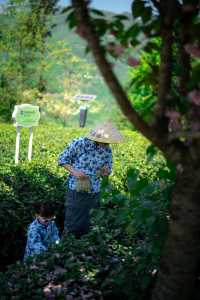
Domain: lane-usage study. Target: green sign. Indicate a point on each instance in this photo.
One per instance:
(26, 115)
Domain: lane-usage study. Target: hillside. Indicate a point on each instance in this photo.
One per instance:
(66, 70)
(94, 84)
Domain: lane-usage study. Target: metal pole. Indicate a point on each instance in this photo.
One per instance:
(30, 144)
(82, 116)
(17, 145)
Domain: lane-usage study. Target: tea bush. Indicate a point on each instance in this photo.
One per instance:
(118, 257)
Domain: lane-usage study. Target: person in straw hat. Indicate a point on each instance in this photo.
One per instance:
(87, 159)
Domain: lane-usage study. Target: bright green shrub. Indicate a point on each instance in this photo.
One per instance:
(118, 256)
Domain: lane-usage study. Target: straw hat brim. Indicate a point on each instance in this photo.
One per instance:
(104, 140)
(105, 133)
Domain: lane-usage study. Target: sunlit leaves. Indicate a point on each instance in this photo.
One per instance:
(144, 81)
(151, 151)
(22, 50)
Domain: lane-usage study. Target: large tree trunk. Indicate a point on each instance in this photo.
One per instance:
(179, 263)
(178, 268)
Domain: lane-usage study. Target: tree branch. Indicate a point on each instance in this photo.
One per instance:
(86, 25)
(184, 56)
(168, 12)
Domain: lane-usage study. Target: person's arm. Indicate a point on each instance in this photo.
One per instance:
(54, 233)
(74, 172)
(107, 168)
(68, 156)
(35, 242)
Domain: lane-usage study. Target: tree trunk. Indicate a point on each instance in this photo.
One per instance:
(179, 262)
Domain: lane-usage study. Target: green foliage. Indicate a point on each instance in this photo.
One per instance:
(28, 183)
(144, 81)
(18, 49)
(22, 51)
(48, 70)
(117, 258)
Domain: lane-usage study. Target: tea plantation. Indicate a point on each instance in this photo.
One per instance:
(119, 257)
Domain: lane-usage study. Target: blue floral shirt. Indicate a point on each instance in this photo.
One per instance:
(40, 237)
(87, 156)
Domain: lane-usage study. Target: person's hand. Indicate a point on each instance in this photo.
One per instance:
(78, 174)
(105, 171)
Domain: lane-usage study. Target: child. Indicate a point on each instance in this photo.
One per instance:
(42, 232)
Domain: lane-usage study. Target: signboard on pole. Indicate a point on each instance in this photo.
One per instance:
(85, 97)
(82, 116)
(25, 115)
(84, 109)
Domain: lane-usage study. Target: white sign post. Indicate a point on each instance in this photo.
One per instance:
(17, 145)
(30, 144)
(83, 108)
(25, 115)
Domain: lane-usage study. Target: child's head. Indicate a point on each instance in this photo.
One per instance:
(44, 212)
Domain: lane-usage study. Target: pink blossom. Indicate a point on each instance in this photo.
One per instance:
(81, 32)
(193, 50)
(131, 61)
(172, 114)
(47, 291)
(115, 49)
(195, 126)
(110, 46)
(194, 97)
(174, 125)
(113, 32)
(119, 50)
(174, 120)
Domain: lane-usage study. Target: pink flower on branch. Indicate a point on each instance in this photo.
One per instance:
(195, 126)
(174, 120)
(172, 114)
(174, 125)
(133, 62)
(117, 50)
(193, 50)
(194, 97)
(113, 32)
(81, 32)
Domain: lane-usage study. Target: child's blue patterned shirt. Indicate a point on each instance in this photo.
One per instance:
(87, 156)
(40, 237)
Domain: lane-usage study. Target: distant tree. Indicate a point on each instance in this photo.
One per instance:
(75, 70)
(25, 25)
(42, 9)
(175, 126)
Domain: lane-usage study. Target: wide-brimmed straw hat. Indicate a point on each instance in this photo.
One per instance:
(105, 133)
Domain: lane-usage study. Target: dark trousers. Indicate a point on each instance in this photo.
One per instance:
(77, 211)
